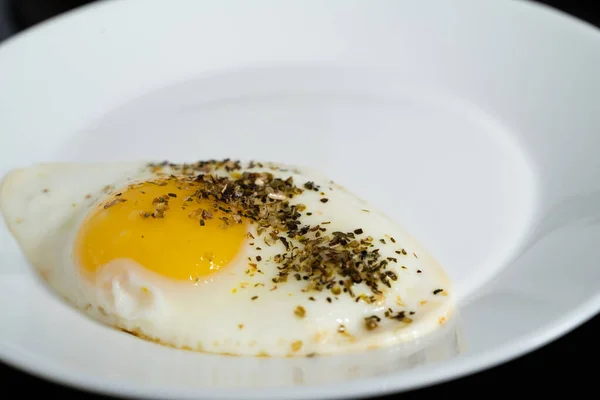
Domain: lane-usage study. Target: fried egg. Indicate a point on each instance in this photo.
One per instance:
(228, 257)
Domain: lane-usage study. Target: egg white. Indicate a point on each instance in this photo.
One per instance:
(230, 312)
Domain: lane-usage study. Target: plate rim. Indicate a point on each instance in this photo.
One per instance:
(374, 386)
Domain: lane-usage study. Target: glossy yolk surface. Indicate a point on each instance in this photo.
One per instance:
(158, 224)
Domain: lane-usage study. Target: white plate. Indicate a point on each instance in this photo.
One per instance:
(474, 124)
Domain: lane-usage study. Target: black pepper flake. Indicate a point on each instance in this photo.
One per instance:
(311, 186)
(436, 291)
(324, 200)
(202, 223)
(398, 316)
(171, 195)
(258, 258)
(254, 298)
(329, 299)
(358, 231)
(311, 298)
(393, 240)
(382, 241)
(419, 271)
(285, 242)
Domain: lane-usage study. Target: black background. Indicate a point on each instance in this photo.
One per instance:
(561, 366)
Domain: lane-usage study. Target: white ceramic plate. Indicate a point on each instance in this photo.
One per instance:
(473, 123)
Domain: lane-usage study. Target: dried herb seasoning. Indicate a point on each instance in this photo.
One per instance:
(326, 261)
(300, 312)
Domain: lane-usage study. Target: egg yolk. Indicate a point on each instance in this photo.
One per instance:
(164, 227)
